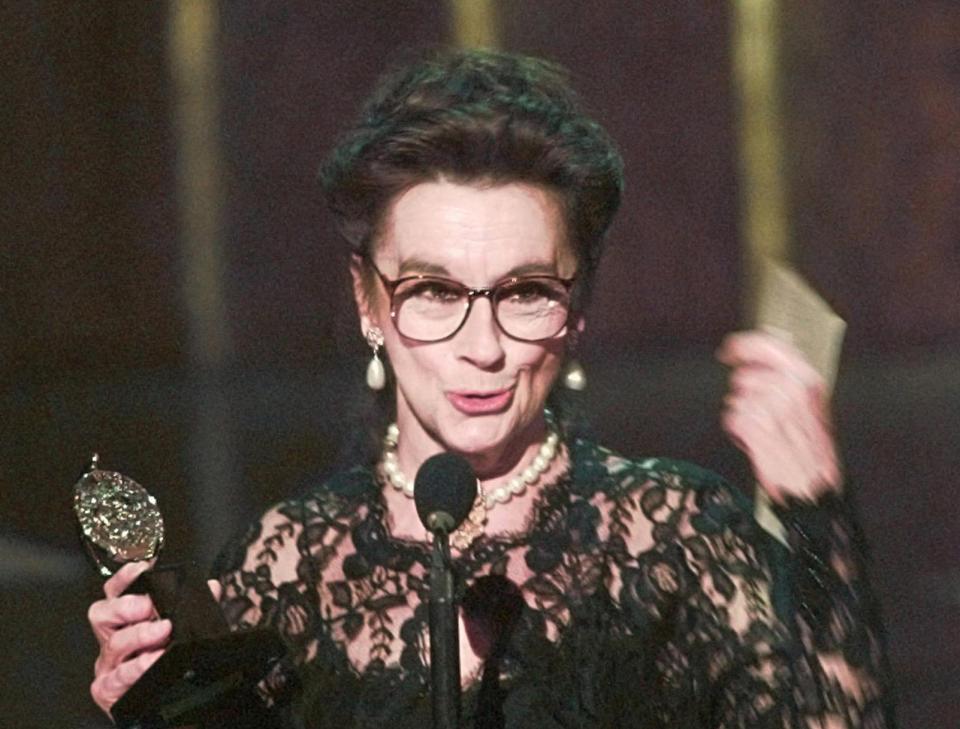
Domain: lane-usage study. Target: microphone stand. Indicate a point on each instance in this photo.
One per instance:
(444, 637)
(444, 491)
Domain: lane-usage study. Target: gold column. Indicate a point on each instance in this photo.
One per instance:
(474, 23)
(756, 74)
(193, 60)
(193, 69)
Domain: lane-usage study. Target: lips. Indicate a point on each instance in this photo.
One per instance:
(480, 402)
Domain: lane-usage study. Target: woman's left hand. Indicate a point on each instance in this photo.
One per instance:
(777, 412)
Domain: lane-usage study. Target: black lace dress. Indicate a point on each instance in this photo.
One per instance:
(641, 594)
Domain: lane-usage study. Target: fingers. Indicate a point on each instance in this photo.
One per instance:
(777, 413)
(762, 349)
(117, 610)
(770, 374)
(790, 458)
(130, 636)
(216, 588)
(107, 616)
(131, 641)
(124, 577)
(109, 686)
(125, 656)
(747, 381)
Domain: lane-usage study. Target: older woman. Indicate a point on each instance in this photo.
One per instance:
(595, 590)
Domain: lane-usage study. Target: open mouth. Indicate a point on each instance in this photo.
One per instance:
(477, 403)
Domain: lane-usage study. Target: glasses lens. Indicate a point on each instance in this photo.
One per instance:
(532, 308)
(429, 309)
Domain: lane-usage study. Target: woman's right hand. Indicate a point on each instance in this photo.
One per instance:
(130, 635)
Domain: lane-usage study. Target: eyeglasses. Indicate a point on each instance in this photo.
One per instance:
(432, 308)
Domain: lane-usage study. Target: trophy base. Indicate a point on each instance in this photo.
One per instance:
(195, 679)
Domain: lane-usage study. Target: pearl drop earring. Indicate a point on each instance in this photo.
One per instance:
(376, 373)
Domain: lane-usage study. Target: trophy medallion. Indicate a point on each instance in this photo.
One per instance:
(119, 521)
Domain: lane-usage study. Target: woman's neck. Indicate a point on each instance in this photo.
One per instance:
(493, 469)
(511, 517)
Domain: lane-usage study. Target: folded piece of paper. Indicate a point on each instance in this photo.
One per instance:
(787, 303)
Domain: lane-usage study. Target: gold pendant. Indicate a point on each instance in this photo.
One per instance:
(472, 526)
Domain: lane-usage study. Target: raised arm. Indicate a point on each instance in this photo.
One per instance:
(777, 412)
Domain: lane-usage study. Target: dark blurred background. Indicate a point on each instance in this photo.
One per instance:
(100, 348)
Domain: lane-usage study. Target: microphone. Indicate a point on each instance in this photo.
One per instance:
(444, 490)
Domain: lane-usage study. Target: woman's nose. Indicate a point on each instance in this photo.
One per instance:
(479, 339)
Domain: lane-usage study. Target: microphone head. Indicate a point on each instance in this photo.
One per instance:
(444, 490)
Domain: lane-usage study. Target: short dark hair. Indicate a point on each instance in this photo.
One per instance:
(476, 116)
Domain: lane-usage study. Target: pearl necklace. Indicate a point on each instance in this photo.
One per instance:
(473, 526)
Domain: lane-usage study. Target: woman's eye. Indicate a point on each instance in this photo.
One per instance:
(438, 291)
(528, 292)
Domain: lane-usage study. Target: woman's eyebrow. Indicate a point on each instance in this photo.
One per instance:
(533, 268)
(418, 265)
(414, 266)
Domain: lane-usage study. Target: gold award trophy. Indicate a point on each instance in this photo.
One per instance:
(205, 665)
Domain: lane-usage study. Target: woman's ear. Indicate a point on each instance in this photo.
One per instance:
(360, 294)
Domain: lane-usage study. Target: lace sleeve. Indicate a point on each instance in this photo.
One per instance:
(821, 662)
(835, 615)
(263, 587)
(750, 634)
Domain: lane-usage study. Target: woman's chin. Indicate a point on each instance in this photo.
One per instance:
(475, 436)
(474, 446)
(485, 444)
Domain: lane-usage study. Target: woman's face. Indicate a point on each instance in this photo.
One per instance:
(479, 393)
